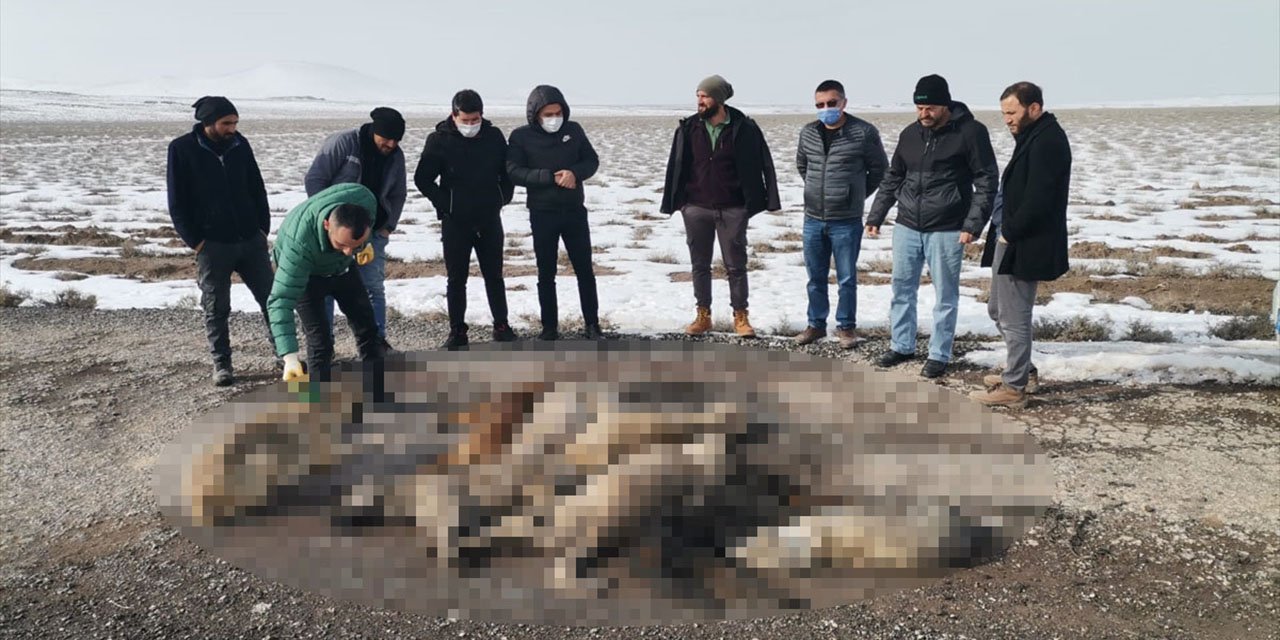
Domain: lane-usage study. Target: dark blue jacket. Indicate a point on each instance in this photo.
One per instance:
(215, 197)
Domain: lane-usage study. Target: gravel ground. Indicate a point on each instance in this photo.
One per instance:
(1166, 523)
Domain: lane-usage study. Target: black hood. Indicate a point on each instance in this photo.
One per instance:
(959, 112)
(449, 126)
(541, 96)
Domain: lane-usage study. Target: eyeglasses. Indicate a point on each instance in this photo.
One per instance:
(830, 104)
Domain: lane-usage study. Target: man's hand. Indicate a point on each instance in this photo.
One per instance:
(966, 237)
(294, 370)
(873, 231)
(365, 255)
(200, 246)
(566, 180)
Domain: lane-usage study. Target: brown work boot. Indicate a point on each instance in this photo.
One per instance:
(810, 335)
(700, 324)
(848, 337)
(742, 325)
(1033, 381)
(1001, 396)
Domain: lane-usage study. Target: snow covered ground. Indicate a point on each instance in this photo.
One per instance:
(1159, 196)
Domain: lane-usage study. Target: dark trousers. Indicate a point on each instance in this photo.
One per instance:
(549, 227)
(460, 239)
(702, 227)
(349, 292)
(215, 263)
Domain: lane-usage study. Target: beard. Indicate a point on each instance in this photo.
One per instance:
(710, 112)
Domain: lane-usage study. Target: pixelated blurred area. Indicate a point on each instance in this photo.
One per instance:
(604, 483)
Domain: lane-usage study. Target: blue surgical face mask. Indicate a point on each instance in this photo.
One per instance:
(830, 115)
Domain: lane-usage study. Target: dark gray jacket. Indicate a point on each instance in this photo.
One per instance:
(941, 180)
(339, 161)
(837, 181)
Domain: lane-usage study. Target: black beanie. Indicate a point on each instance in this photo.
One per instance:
(388, 123)
(932, 89)
(210, 109)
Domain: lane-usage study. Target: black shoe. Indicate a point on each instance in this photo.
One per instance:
(593, 332)
(222, 375)
(503, 333)
(456, 339)
(549, 333)
(892, 358)
(933, 369)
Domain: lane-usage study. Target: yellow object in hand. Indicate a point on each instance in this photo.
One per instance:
(365, 255)
(294, 369)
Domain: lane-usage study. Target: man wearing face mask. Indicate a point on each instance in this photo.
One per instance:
(719, 174)
(841, 160)
(369, 155)
(463, 173)
(943, 178)
(551, 157)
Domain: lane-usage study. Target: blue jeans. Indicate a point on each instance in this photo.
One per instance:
(911, 251)
(373, 274)
(822, 240)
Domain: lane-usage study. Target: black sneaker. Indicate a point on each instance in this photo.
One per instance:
(456, 339)
(549, 333)
(222, 375)
(593, 332)
(892, 358)
(503, 333)
(933, 369)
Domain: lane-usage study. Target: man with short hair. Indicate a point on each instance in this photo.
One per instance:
(719, 174)
(218, 204)
(369, 155)
(467, 155)
(1027, 242)
(551, 157)
(318, 247)
(943, 178)
(841, 161)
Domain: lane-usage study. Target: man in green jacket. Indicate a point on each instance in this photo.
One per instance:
(316, 250)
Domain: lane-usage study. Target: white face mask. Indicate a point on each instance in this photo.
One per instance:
(552, 125)
(468, 130)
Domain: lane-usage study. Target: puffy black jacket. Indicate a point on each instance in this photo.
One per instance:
(1036, 183)
(751, 157)
(472, 171)
(942, 180)
(212, 196)
(838, 180)
(534, 156)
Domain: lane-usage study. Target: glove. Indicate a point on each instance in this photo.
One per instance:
(294, 369)
(365, 255)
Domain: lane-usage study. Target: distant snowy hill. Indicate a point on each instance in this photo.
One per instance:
(272, 80)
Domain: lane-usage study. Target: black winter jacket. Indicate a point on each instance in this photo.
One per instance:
(837, 181)
(215, 197)
(1036, 183)
(473, 183)
(942, 180)
(534, 156)
(751, 156)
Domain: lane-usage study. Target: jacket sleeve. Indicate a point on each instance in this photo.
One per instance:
(293, 269)
(668, 205)
(588, 162)
(180, 211)
(1048, 163)
(772, 200)
(258, 191)
(802, 160)
(875, 159)
(430, 166)
(325, 166)
(888, 194)
(504, 179)
(397, 191)
(518, 166)
(986, 179)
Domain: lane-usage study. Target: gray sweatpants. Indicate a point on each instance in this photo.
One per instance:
(1010, 307)
(702, 227)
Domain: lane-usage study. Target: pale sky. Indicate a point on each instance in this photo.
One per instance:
(655, 51)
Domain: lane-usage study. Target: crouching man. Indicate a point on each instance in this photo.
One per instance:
(316, 253)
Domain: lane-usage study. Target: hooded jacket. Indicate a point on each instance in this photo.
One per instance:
(534, 156)
(751, 157)
(838, 180)
(473, 183)
(941, 180)
(215, 194)
(302, 250)
(1036, 183)
(340, 160)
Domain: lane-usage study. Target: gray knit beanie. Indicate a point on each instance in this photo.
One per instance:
(716, 87)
